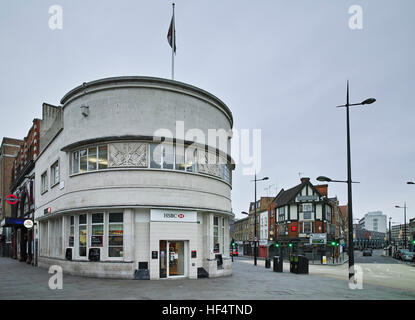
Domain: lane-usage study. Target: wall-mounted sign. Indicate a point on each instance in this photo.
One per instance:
(11, 199)
(307, 198)
(194, 254)
(47, 210)
(173, 215)
(154, 254)
(318, 238)
(28, 224)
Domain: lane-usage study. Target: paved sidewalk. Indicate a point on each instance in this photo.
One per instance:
(248, 282)
(337, 262)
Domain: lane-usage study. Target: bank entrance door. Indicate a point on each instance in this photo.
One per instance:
(173, 262)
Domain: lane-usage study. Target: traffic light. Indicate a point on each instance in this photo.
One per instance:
(333, 243)
(277, 245)
(233, 244)
(413, 242)
(290, 245)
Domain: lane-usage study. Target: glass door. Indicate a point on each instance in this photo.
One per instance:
(176, 258)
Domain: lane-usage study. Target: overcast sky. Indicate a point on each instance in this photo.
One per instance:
(280, 66)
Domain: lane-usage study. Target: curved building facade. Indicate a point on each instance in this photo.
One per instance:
(133, 179)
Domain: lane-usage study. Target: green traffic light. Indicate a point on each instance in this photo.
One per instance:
(333, 243)
(277, 245)
(290, 245)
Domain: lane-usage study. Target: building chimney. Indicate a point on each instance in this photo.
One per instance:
(305, 180)
(322, 188)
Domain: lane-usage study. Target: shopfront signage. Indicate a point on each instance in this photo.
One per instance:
(47, 210)
(28, 224)
(307, 198)
(173, 215)
(318, 238)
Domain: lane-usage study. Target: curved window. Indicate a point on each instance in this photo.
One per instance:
(90, 159)
(166, 156)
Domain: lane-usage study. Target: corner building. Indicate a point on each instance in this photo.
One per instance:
(114, 200)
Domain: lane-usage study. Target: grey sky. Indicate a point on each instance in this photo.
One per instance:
(280, 66)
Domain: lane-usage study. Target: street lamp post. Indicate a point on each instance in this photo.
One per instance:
(349, 180)
(255, 233)
(404, 223)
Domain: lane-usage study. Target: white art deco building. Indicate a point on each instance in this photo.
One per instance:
(116, 194)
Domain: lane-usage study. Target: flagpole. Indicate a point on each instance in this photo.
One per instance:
(173, 46)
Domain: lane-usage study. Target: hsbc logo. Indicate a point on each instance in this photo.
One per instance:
(173, 215)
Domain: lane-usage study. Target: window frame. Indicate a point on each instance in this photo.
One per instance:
(108, 223)
(53, 170)
(44, 183)
(86, 148)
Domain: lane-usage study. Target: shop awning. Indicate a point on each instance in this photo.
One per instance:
(12, 222)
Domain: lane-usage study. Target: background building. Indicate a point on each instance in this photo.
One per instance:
(8, 152)
(374, 221)
(397, 234)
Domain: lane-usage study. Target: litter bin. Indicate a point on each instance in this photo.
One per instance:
(267, 263)
(293, 263)
(278, 264)
(302, 265)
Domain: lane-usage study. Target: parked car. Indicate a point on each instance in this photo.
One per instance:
(408, 256)
(399, 253)
(367, 252)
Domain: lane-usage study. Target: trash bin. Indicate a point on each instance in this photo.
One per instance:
(293, 263)
(278, 264)
(267, 263)
(302, 265)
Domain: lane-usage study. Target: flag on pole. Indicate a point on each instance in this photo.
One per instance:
(171, 35)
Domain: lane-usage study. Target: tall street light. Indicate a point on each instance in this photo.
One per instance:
(404, 222)
(255, 233)
(349, 179)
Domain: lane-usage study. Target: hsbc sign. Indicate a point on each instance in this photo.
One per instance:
(173, 215)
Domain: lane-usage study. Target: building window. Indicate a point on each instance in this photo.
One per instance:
(179, 157)
(44, 182)
(223, 235)
(75, 162)
(82, 234)
(226, 173)
(97, 229)
(155, 155)
(281, 214)
(216, 246)
(115, 235)
(71, 231)
(90, 159)
(307, 227)
(191, 159)
(102, 157)
(54, 174)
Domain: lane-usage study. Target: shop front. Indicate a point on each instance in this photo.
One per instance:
(173, 259)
